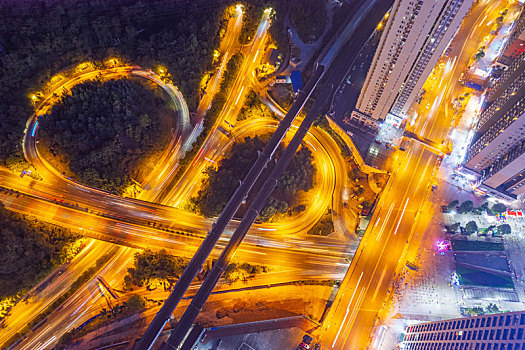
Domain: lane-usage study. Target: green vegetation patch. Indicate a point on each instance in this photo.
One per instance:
(463, 245)
(39, 41)
(105, 130)
(220, 183)
(324, 226)
(253, 108)
(471, 277)
(30, 250)
(153, 267)
(324, 125)
(242, 271)
(150, 266)
(309, 18)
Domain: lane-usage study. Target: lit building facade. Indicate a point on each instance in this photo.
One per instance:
(515, 44)
(497, 153)
(414, 37)
(488, 332)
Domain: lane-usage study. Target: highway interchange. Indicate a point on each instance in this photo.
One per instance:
(112, 218)
(104, 217)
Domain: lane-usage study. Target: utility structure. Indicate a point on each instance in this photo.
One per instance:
(177, 337)
(239, 196)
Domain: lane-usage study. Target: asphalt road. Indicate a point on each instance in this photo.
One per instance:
(382, 253)
(269, 247)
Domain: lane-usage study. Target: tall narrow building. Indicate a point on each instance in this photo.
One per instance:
(488, 332)
(497, 151)
(415, 36)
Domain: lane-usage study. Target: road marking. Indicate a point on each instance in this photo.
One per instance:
(239, 96)
(347, 310)
(408, 162)
(480, 23)
(379, 284)
(402, 213)
(384, 222)
(53, 338)
(423, 175)
(358, 303)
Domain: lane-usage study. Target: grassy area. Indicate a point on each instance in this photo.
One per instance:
(476, 246)
(471, 277)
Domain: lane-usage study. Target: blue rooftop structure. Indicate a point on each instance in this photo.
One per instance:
(297, 82)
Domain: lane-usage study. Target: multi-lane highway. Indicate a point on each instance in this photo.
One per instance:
(100, 215)
(240, 88)
(399, 219)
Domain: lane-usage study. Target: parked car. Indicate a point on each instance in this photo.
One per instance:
(307, 339)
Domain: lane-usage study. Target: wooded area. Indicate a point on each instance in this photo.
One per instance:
(309, 18)
(149, 265)
(40, 38)
(254, 108)
(30, 250)
(220, 183)
(105, 130)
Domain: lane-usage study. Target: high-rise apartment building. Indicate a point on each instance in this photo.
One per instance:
(488, 332)
(515, 44)
(415, 36)
(497, 151)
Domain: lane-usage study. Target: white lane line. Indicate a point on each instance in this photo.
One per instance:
(402, 213)
(384, 222)
(53, 338)
(347, 311)
(353, 316)
(379, 284)
(239, 96)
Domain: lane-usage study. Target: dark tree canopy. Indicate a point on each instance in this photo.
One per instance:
(499, 208)
(309, 18)
(152, 265)
(30, 249)
(40, 38)
(466, 207)
(471, 227)
(105, 130)
(220, 183)
(504, 229)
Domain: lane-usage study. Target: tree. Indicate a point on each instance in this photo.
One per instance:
(150, 265)
(30, 250)
(466, 207)
(453, 228)
(309, 19)
(353, 174)
(471, 227)
(504, 229)
(492, 308)
(499, 208)
(61, 35)
(480, 55)
(220, 183)
(104, 130)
